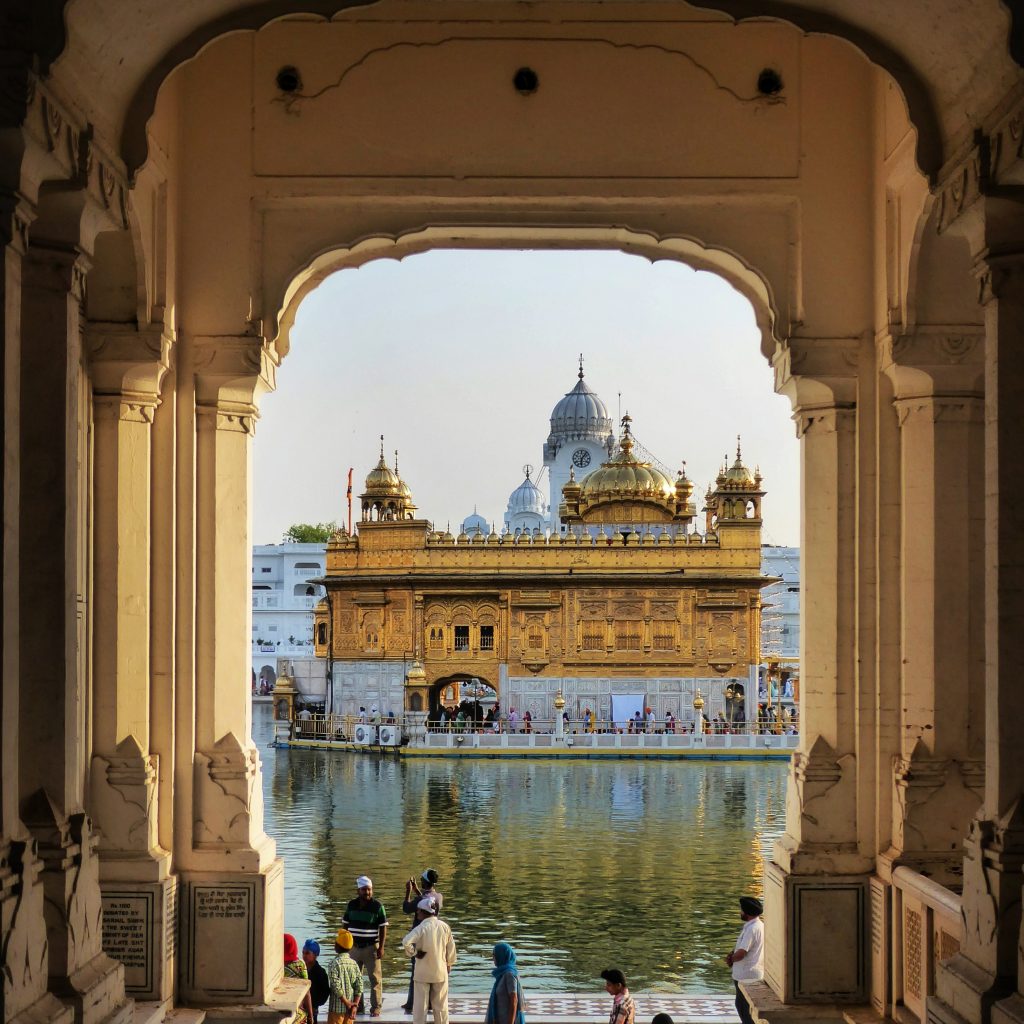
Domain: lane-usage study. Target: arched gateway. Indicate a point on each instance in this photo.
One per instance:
(173, 179)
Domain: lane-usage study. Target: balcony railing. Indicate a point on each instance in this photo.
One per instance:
(926, 929)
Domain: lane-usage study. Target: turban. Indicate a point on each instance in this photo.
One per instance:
(751, 905)
(343, 938)
(428, 905)
(311, 946)
(363, 882)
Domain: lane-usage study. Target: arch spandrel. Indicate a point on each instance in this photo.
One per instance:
(950, 66)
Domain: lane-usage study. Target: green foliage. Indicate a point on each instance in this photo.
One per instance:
(309, 533)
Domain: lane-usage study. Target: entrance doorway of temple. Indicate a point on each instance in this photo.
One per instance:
(462, 701)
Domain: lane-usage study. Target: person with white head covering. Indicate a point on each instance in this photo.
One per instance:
(432, 948)
(367, 920)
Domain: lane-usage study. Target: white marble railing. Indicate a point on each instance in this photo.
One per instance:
(612, 741)
(926, 928)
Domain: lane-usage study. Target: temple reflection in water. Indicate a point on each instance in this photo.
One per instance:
(578, 865)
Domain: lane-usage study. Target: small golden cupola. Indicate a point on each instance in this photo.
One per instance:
(624, 491)
(386, 497)
(737, 496)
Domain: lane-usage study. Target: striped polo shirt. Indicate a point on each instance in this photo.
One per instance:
(365, 920)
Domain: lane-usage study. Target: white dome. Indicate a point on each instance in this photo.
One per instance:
(580, 415)
(526, 498)
(475, 524)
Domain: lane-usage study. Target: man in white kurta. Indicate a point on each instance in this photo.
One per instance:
(433, 946)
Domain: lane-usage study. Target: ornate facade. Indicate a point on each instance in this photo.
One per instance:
(176, 178)
(626, 596)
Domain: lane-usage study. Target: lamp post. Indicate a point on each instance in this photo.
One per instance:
(698, 710)
(559, 703)
(730, 694)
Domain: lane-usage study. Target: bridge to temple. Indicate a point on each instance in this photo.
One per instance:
(175, 180)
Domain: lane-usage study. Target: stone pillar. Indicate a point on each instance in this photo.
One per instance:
(139, 897)
(22, 926)
(937, 373)
(816, 886)
(232, 886)
(987, 968)
(54, 632)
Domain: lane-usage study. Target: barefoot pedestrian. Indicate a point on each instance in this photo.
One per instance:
(747, 959)
(295, 967)
(367, 920)
(432, 946)
(346, 981)
(506, 1003)
(319, 986)
(623, 1007)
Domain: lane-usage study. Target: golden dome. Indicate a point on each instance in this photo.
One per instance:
(738, 475)
(624, 476)
(382, 479)
(403, 487)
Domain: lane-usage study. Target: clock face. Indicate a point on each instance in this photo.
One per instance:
(581, 458)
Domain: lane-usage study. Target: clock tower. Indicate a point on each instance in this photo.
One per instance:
(581, 438)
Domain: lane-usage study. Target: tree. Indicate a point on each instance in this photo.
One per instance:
(309, 533)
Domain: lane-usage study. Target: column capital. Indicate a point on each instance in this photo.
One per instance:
(231, 373)
(817, 372)
(946, 359)
(127, 365)
(58, 268)
(16, 215)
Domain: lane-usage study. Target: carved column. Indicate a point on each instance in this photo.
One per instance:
(987, 967)
(233, 884)
(817, 881)
(937, 373)
(22, 925)
(54, 632)
(126, 367)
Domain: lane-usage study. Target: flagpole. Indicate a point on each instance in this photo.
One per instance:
(348, 495)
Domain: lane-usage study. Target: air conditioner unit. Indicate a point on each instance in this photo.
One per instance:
(389, 736)
(363, 735)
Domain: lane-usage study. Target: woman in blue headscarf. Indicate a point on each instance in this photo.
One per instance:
(506, 1002)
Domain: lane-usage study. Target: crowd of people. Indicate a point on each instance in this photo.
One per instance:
(430, 946)
(469, 716)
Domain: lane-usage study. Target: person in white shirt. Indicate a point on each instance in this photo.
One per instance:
(431, 943)
(747, 959)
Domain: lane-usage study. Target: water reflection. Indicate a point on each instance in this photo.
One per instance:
(579, 866)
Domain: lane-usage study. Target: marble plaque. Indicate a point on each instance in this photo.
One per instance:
(129, 922)
(140, 929)
(222, 926)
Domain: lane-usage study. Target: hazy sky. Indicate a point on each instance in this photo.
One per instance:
(458, 358)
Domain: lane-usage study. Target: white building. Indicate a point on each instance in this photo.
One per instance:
(282, 605)
(581, 438)
(780, 618)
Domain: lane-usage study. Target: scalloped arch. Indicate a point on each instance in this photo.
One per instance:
(750, 283)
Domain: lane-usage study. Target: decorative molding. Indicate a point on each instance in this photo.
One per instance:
(965, 183)
(127, 366)
(57, 268)
(16, 215)
(817, 372)
(942, 408)
(824, 420)
(125, 800)
(231, 372)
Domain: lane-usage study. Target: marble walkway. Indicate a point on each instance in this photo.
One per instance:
(573, 1008)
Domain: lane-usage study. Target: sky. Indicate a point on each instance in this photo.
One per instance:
(458, 357)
